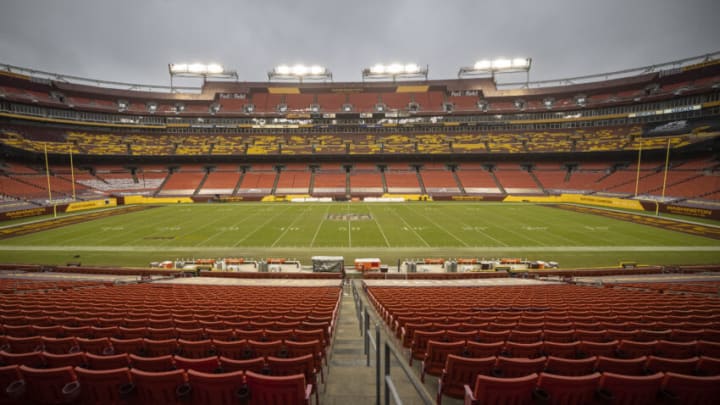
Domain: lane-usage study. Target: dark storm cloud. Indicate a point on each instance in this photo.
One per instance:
(133, 41)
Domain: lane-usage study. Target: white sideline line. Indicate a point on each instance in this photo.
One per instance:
(320, 224)
(287, 228)
(482, 249)
(382, 232)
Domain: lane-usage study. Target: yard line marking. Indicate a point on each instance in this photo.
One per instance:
(444, 230)
(411, 228)
(261, 226)
(146, 248)
(320, 223)
(347, 210)
(487, 235)
(287, 228)
(374, 217)
(216, 234)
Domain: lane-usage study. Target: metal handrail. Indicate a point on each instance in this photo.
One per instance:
(381, 339)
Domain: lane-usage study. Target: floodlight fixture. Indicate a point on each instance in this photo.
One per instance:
(489, 67)
(299, 72)
(395, 71)
(202, 70)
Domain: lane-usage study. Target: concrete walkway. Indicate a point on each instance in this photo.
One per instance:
(350, 381)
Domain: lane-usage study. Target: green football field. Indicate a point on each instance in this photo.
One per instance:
(390, 231)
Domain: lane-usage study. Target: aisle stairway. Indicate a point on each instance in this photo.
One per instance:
(349, 381)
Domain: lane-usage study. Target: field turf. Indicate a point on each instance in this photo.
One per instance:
(391, 231)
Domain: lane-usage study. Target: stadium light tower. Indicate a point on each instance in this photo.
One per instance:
(487, 67)
(299, 72)
(199, 70)
(395, 71)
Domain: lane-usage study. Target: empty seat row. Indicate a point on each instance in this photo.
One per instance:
(659, 388)
(454, 365)
(425, 343)
(455, 332)
(225, 331)
(243, 348)
(22, 384)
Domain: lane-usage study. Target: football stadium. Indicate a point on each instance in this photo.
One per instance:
(392, 239)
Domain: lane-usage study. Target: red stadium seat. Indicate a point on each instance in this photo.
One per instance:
(59, 345)
(24, 344)
(195, 348)
(570, 367)
(479, 349)
(209, 388)
(420, 340)
(256, 365)
(436, 355)
(688, 389)
(30, 359)
(236, 349)
(198, 333)
(678, 350)
(99, 362)
(158, 363)
(159, 387)
(206, 365)
(634, 366)
(530, 350)
(160, 347)
(295, 365)
(47, 386)
(459, 371)
(265, 349)
(630, 389)
(631, 348)
(510, 367)
(563, 390)
(97, 346)
(708, 366)
(8, 375)
(61, 360)
(212, 334)
(493, 390)
(557, 349)
(103, 386)
(663, 364)
(288, 390)
(129, 346)
(590, 348)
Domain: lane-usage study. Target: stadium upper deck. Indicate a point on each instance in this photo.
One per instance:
(678, 90)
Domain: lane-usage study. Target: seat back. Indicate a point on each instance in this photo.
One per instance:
(634, 366)
(157, 387)
(102, 386)
(209, 388)
(460, 371)
(195, 348)
(437, 353)
(493, 390)
(48, 386)
(663, 364)
(688, 389)
(234, 349)
(96, 362)
(205, 364)
(570, 367)
(480, 349)
(288, 390)
(157, 363)
(256, 365)
(569, 390)
(630, 389)
(509, 367)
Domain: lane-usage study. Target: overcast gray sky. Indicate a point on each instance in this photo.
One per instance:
(134, 40)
